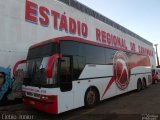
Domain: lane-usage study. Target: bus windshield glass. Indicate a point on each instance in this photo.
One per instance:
(42, 51)
(37, 60)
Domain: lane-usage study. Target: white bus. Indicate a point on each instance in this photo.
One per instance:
(77, 56)
(69, 72)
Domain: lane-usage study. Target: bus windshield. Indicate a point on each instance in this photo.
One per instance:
(42, 51)
(37, 61)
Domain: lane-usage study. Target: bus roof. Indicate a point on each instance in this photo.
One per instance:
(77, 39)
(79, 6)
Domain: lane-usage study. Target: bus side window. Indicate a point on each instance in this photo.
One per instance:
(66, 74)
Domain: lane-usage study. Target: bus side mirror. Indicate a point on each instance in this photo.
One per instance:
(51, 61)
(17, 64)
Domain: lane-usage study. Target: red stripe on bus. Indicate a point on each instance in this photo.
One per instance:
(108, 86)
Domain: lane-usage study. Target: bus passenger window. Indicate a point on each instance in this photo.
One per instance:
(65, 74)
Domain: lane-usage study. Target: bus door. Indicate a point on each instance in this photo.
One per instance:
(66, 70)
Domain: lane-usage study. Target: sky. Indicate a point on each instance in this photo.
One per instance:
(140, 16)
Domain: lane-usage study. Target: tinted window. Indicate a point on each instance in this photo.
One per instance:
(86, 54)
(78, 65)
(93, 54)
(69, 48)
(66, 74)
(43, 51)
(109, 54)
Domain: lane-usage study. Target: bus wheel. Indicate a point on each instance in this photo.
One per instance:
(91, 97)
(144, 84)
(139, 85)
(156, 81)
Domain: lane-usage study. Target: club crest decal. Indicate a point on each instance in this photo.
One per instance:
(121, 70)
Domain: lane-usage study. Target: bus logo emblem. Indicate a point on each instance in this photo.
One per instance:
(121, 70)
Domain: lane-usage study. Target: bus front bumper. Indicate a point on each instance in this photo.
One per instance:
(49, 107)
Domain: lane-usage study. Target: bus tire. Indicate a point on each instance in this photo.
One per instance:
(139, 85)
(155, 82)
(91, 97)
(144, 85)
